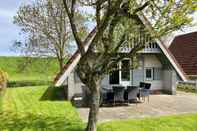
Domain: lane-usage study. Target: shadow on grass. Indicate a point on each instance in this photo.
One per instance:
(54, 94)
(12, 121)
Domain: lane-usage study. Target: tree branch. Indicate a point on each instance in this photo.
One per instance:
(142, 7)
(73, 26)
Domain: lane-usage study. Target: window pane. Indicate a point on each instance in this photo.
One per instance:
(125, 72)
(148, 73)
(157, 73)
(114, 76)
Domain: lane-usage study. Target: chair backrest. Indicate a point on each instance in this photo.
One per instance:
(147, 86)
(132, 92)
(118, 93)
(142, 84)
(104, 89)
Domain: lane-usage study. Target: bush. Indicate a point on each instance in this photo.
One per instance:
(3, 79)
(187, 88)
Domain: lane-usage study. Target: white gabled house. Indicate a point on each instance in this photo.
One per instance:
(156, 66)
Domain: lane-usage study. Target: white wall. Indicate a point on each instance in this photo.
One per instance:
(152, 61)
(105, 82)
(166, 82)
(169, 79)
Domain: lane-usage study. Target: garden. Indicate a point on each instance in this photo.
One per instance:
(33, 108)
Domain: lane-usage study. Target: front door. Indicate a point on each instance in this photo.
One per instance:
(125, 74)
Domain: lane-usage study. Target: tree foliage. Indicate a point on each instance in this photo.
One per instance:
(118, 24)
(47, 29)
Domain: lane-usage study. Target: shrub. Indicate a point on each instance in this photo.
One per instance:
(187, 88)
(3, 78)
(23, 83)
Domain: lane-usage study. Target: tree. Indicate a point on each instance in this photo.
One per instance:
(117, 22)
(47, 29)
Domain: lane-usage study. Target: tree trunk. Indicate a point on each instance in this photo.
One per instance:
(61, 64)
(94, 109)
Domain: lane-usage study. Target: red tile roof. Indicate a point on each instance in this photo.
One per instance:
(184, 49)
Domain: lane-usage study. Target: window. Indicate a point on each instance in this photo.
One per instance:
(125, 70)
(149, 73)
(114, 76)
(153, 73)
(157, 73)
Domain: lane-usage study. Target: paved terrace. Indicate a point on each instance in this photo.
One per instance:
(159, 105)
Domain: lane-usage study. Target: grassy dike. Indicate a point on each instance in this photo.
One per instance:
(36, 71)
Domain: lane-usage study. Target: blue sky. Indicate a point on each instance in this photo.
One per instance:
(9, 32)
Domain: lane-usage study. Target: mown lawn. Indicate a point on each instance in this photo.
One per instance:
(169, 123)
(22, 109)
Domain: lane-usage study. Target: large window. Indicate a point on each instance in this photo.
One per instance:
(125, 70)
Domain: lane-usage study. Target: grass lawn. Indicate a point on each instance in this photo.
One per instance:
(169, 123)
(23, 110)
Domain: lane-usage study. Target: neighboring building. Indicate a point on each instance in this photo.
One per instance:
(184, 49)
(156, 66)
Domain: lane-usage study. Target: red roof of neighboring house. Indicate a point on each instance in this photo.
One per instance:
(184, 49)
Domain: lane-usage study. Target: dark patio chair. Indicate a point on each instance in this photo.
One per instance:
(132, 93)
(118, 93)
(110, 97)
(107, 95)
(142, 84)
(145, 92)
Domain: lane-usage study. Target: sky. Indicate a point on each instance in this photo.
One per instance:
(10, 32)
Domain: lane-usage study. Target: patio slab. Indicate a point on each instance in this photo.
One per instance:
(159, 105)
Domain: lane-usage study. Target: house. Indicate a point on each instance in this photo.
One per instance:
(156, 65)
(184, 49)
